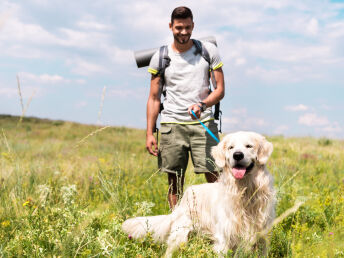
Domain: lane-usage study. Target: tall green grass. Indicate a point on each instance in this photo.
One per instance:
(65, 189)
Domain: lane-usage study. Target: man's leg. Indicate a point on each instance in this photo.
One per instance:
(175, 189)
(174, 156)
(201, 144)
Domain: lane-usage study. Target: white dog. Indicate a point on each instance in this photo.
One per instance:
(232, 211)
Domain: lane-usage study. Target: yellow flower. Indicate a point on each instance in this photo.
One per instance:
(7, 156)
(182, 246)
(101, 160)
(28, 203)
(5, 223)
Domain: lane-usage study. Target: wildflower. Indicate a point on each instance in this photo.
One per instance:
(105, 241)
(5, 223)
(101, 160)
(28, 203)
(144, 208)
(130, 237)
(7, 156)
(330, 234)
(68, 193)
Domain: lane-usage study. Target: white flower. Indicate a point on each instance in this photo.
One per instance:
(68, 193)
(144, 208)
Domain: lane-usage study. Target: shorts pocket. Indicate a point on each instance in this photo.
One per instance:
(166, 134)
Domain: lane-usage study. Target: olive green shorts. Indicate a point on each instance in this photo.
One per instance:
(178, 140)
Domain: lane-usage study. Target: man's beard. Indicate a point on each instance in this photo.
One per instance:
(182, 39)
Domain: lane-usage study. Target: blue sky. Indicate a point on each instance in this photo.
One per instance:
(283, 60)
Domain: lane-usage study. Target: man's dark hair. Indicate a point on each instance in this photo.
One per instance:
(181, 12)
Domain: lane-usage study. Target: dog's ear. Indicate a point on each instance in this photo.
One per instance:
(264, 151)
(219, 153)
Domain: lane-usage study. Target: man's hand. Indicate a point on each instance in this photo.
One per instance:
(197, 109)
(150, 142)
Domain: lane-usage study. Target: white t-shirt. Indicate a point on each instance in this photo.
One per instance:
(186, 82)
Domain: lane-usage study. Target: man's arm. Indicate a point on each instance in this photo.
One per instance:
(213, 97)
(153, 108)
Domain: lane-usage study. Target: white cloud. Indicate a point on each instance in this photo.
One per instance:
(43, 78)
(15, 30)
(125, 93)
(299, 107)
(243, 122)
(29, 40)
(86, 68)
(26, 77)
(27, 91)
(312, 119)
(82, 39)
(145, 16)
(120, 56)
(3, 19)
(8, 92)
(285, 51)
(239, 111)
(335, 29)
(281, 129)
(23, 51)
(230, 120)
(240, 61)
(80, 81)
(257, 121)
(88, 23)
(313, 27)
(326, 107)
(334, 128)
(81, 104)
(271, 75)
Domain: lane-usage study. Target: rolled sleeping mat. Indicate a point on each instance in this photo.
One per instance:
(143, 57)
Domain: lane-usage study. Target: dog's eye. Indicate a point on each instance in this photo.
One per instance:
(231, 147)
(249, 146)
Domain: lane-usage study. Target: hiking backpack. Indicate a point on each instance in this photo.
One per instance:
(164, 62)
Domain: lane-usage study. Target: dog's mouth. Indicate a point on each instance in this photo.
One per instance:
(240, 171)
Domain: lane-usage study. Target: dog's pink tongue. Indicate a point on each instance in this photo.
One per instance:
(238, 173)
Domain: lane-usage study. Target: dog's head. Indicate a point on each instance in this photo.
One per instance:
(241, 152)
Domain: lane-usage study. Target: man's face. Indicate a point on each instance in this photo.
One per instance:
(182, 29)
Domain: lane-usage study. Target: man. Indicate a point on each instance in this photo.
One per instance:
(187, 88)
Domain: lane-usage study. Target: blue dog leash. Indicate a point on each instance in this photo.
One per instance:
(205, 127)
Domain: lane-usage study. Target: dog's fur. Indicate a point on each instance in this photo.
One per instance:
(232, 211)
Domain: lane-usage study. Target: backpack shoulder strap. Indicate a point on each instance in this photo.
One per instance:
(200, 49)
(164, 60)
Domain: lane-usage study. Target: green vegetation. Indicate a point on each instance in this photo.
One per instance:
(62, 194)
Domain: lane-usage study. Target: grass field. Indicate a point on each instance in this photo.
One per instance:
(65, 189)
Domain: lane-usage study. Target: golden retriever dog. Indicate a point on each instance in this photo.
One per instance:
(232, 211)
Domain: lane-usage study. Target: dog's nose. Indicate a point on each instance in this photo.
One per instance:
(238, 155)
